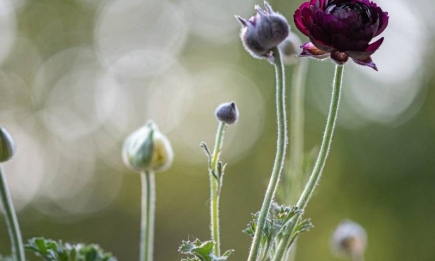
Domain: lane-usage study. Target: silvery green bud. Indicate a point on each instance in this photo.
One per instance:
(263, 31)
(349, 239)
(227, 113)
(290, 48)
(7, 145)
(147, 149)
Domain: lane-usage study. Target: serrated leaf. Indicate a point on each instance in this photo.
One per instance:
(201, 251)
(228, 253)
(204, 251)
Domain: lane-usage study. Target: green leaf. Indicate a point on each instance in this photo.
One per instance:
(303, 226)
(51, 250)
(201, 251)
(205, 149)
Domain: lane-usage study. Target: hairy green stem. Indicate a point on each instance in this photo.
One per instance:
(214, 189)
(320, 162)
(148, 215)
(11, 219)
(296, 139)
(279, 158)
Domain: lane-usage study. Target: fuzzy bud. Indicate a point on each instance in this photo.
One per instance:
(263, 32)
(290, 48)
(349, 239)
(7, 145)
(227, 113)
(147, 149)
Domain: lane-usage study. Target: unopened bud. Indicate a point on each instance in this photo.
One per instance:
(263, 31)
(349, 239)
(7, 145)
(227, 113)
(147, 149)
(290, 48)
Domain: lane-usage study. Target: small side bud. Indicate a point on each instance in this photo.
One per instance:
(7, 145)
(147, 149)
(227, 113)
(290, 48)
(349, 240)
(263, 32)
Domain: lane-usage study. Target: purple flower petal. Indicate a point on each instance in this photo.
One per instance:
(371, 49)
(343, 44)
(366, 62)
(319, 3)
(309, 50)
(317, 33)
(383, 22)
(322, 46)
(374, 46)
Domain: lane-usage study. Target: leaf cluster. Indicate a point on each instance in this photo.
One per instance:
(201, 251)
(278, 220)
(51, 250)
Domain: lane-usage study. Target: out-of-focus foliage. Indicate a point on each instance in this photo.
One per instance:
(51, 250)
(6, 258)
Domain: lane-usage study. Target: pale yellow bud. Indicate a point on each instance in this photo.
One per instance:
(147, 149)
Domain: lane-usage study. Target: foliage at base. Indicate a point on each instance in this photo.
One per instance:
(51, 250)
(201, 251)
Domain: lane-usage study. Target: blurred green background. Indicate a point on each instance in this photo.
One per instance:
(76, 77)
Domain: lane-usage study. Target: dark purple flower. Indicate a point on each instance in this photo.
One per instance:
(263, 31)
(341, 29)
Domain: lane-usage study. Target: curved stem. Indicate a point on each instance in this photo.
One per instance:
(279, 158)
(148, 215)
(296, 139)
(11, 219)
(214, 187)
(320, 162)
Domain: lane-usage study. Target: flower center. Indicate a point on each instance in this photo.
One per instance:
(345, 10)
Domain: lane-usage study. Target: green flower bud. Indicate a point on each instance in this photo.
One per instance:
(227, 113)
(349, 239)
(147, 149)
(7, 145)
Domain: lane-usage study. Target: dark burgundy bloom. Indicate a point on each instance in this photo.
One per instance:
(341, 29)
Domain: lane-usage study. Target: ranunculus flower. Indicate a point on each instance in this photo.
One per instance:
(341, 29)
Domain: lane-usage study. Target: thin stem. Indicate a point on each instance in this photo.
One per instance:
(214, 186)
(296, 139)
(148, 215)
(320, 162)
(11, 219)
(279, 158)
